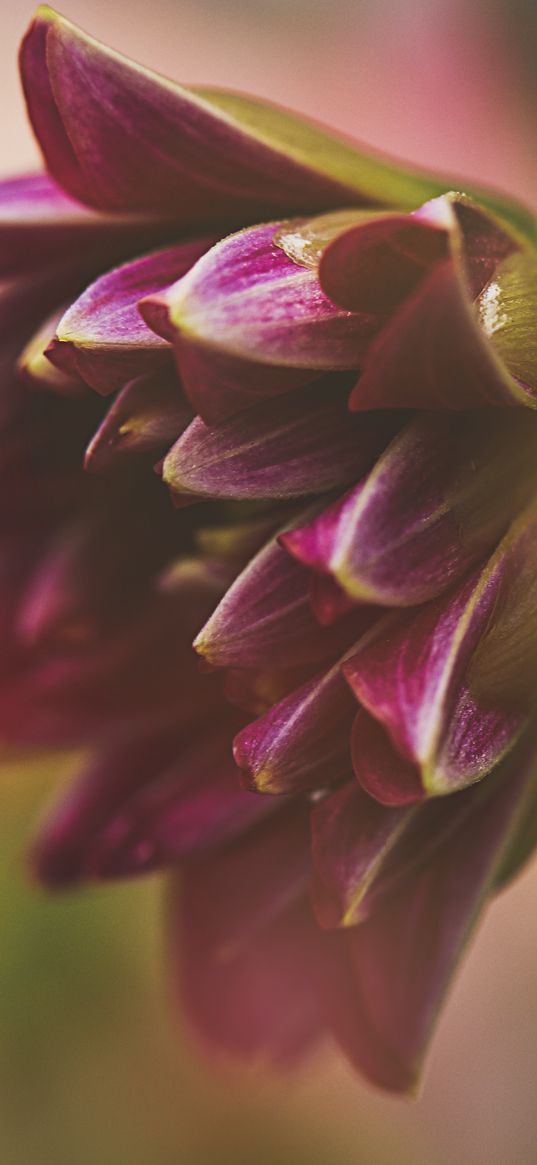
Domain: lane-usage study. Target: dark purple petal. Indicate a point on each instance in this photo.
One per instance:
(41, 225)
(266, 619)
(400, 960)
(145, 418)
(258, 1001)
(197, 156)
(298, 444)
(452, 684)
(148, 804)
(303, 741)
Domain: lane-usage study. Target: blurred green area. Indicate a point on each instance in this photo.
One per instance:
(94, 1069)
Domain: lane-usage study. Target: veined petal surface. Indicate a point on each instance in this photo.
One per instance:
(102, 336)
(435, 502)
(120, 137)
(451, 686)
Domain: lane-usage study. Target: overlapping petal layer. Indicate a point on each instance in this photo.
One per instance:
(340, 281)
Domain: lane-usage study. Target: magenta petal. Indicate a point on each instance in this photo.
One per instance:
(374, 266)
(265, 620)
(436, 500)
(145, 417)
(452, 684)
(401, 959)
(303, 741)
(299, 444)
(383, 772)
(245, 298)
(103, 337)
(452, 368)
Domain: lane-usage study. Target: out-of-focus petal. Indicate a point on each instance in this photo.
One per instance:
(401, 959)
(258, 1001)
(245, 940)
(102, 336)
(147, 803)
(303, 443)
(41, 225)
(33, 365)
(145, 417)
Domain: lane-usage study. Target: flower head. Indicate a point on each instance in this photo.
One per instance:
(332, 362)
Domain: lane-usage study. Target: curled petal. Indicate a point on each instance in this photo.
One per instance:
(300, 444)
(103, 338)
(192, 155)
(438, 349)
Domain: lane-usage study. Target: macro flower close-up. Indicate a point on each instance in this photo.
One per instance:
(269, 545)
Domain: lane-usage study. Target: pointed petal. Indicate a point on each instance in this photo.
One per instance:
(351, 837)
(452, 684)
(246, 299)
(145, 418)
(402, 958)
(33, 363)
(437, 500)
(303, 741)
(266, 620)
(299, 444)
(102, 337)
(60, 853)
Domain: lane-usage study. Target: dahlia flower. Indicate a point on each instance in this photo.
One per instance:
(332, 363)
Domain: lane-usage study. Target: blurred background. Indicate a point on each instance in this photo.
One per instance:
(94, 1066)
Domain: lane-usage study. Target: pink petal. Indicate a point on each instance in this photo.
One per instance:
(102, 337)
